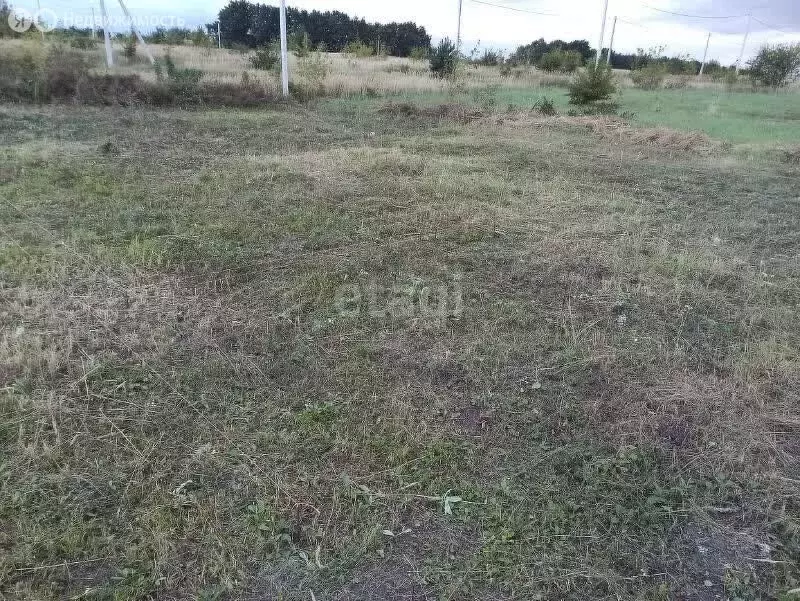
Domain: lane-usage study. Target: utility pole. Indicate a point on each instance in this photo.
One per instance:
(602, 35)
(744, 43)
(136, 32)
(219, 34)
(284, 52)
(94, 25)
(106, 35)
(611, 43)
(705, 55)
(458, 31)
(39, 16)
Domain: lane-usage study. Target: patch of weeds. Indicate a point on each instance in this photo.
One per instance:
(135, 582)
(273, 530)
(545, 106)
(321, 414)
(486, 97)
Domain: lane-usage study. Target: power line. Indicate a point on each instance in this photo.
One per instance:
(772, 27)
(632, 23)
(515, 9)
(669, 12)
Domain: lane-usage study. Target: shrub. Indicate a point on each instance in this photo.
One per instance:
(200, 38)
(266, 58)
(182, 85)
(545, 106)
(571, 61)
(31, 78)
(129, 47)
(419, 53)
(592, 84)
(300, 44)
(649, 77)
(83, 43)
(564, 61)
(444, 59)
(490, 58)
(359, 49)
(313, 69)
(776, 66)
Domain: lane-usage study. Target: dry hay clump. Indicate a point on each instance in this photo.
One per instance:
(447, 111)
(616, 129)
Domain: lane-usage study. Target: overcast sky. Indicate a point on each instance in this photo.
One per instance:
(639, 25)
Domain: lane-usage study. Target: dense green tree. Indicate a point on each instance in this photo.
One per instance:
(776, 66)
(257, 25)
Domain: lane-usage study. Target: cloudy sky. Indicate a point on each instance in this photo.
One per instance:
(499, 26)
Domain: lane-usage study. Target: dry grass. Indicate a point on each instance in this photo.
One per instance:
(186, 411)
(348, 75)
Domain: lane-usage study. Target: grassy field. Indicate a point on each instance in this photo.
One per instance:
(762, 119)
(360, 350)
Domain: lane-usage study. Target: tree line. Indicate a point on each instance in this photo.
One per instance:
(543, 54)
(253, 25)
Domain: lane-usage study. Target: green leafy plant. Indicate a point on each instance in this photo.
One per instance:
(593, 84)
(166, 70)
(83, 43)
(129, 47)
(200, 38)
(266, 58)
(313, 70)
(359, 49)
(490, 58)
(418, 53)
(545, 106)
(563, 61)
(776, 66)
(650, 76)
(444, 59)
(300, 44)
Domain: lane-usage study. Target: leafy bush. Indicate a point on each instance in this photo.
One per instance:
(83, 43)
(359, 49)
(649, 77)
(54, 76)
(444, 59)
(564, 61)
(200, 38)
(266, 58)
(312, 70)
(299, 43)
(129, 47)
(490, 58)
(545, 106)
(592, 84)
(776, 66)
(418, 53)
(182, 86)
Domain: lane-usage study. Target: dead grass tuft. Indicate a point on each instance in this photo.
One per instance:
(455, 112)
(616, 130)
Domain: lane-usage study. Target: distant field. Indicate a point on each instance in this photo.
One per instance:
(762, 120)
(737, 117)
(354, 350)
